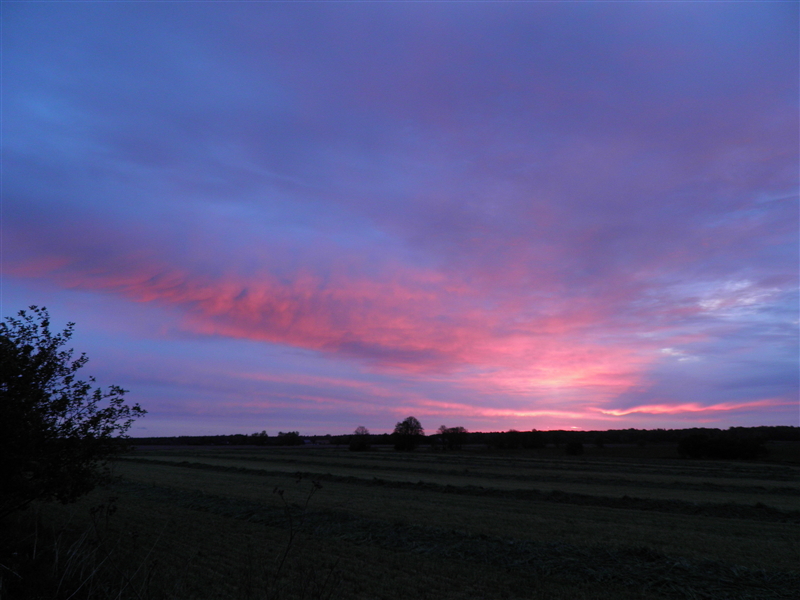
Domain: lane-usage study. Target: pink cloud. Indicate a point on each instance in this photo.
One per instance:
(406, 318)
(453, 409)
(489, 349)
(693, 407)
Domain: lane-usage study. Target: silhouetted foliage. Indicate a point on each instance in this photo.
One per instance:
(259, 439)
(315, 583)
(511, 439)
(533, 439)
(574, 448)
(735, 445)
(452, 438)
(693, 446)
(359, 441)
(289, 438)
(57, 432)
(407, 434)
(668, 438)
(557, 438)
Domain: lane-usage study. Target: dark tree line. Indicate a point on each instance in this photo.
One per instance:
(289, 438)
(736, 442)
(724, 444)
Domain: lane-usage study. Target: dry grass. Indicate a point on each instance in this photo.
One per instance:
(741, 541)
(695, 481)
(386, 525)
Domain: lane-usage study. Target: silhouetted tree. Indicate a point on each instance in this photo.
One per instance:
(57, 432)
(511, 439)
(407, 434)
(360, 439)
(453, 438)
(289, 438)
(259, 439)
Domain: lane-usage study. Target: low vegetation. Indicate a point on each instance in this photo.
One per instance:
(325, 522)
(57, 431)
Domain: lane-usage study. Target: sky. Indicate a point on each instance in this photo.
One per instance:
(313, 216)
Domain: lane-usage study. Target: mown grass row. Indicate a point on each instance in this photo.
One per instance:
(637, 567)
(758, 512)
(570, 481)
(619, 455)
(200, 545)
(524, 473)
(170, 552)
(733, 540)
(500, 463)
(205, 524)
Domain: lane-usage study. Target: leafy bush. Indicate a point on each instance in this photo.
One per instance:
(57, 432)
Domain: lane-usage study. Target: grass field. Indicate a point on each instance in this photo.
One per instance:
(208, 523)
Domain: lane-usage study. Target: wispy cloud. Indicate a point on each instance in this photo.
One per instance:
(694, 407)
(516, 213)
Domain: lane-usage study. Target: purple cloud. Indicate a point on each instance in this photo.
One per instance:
(522, 215)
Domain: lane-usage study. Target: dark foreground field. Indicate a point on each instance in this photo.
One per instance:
(255, 523)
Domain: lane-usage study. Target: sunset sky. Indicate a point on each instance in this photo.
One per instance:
(313, 216)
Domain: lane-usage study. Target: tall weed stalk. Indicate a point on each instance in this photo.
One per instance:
(308, 580)
(70, 562)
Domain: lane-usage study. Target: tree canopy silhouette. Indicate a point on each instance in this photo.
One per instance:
(360, 439)
(57, 432)
(452, 437)
(408, 433)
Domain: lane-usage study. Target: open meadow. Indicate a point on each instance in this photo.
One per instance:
(324, 522)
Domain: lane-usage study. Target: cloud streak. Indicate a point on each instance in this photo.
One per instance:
(516, 214)
(693, 407)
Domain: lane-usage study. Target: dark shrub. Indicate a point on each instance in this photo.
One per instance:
(57, 432)
(259, 439)
(511, 439)
(725, 445)
(289, 438)
(452, 438)
(533, 439)
(360, 439)
(359, 443)
(694, 445)
(574, 448)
